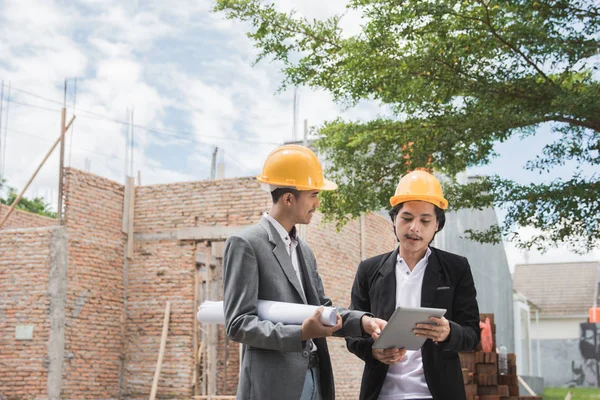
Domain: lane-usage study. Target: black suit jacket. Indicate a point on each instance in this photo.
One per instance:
(448, 283)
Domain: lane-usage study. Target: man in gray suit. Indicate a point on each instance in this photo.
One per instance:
(269, 262)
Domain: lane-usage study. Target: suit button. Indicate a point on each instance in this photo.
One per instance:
(305, 353)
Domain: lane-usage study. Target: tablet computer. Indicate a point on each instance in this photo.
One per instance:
(398, 333)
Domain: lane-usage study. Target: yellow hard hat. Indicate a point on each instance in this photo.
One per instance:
(419, 185)
(294, 166)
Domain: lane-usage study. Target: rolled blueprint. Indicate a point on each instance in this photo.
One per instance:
(211, 312)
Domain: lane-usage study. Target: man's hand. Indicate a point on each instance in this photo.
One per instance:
(372, 326)
(312, 328)
(388, 356)
(438, 332)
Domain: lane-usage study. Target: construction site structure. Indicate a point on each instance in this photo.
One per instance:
(104, 305)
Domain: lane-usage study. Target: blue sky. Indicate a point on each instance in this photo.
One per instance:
(187, 74)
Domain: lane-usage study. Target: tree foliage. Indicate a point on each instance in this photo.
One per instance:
(460, 77)
(36, 205)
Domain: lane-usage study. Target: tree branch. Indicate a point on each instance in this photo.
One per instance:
(494, 32)
(593, 125)
(299, 32)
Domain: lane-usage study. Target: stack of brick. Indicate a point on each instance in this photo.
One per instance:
(482, 377)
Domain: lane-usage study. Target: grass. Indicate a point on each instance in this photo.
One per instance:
(577, 393)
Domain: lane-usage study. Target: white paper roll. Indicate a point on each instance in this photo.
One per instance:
(211, 312)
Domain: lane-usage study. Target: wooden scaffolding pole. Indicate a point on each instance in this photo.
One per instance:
(194, 309)
(18, 199)
(212, 329)
(161, 353)
(61, 167)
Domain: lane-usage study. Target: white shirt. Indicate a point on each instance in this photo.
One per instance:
(290, 244)
(406, 379)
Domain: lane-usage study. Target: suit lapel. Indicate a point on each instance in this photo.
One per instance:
(431, 279)
(282, 256)
(387, 286)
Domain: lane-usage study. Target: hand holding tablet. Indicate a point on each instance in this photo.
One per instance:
(399, 331)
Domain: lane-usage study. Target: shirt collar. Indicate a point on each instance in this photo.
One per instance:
(287, 237)
(422, 261)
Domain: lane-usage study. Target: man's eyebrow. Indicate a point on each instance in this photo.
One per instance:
(422, 215)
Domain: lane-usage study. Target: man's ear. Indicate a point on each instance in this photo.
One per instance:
(287, 198)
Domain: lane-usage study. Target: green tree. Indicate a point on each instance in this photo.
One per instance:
(36, 205)
(460, 76)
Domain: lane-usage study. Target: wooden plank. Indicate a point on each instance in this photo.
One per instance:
(213, 287)
(203, 296)
(61, 166)
(18, 199)
(526, 386)
(217, 249)
(161, 353)
(125, 227)
(130, 216)
(207, 232)
(198, 233)
(194, 310)
(153, 237)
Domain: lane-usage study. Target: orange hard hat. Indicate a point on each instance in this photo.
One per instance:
(294, 166)
(419, 185)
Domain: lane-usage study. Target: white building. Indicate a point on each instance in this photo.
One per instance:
(563, 293)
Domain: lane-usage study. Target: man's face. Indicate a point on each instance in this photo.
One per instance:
(416, 225)
(304, 207)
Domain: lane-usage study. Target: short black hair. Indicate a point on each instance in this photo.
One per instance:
(440, 215)
(279, 192)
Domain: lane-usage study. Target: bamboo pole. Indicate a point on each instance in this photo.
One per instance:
(18, 199)
(195, 308)
(526, 386)
(131, 216)
(163, 342)
(61, 165)
(212, 339)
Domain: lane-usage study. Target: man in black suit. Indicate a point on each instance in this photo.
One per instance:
(417, 275)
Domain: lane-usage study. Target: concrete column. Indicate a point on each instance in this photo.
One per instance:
(57, 291)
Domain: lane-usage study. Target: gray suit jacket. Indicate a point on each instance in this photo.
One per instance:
(275, 361)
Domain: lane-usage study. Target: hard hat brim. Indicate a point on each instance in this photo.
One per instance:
(327, 184)
(436, 201)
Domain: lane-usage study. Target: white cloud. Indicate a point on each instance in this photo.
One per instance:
(180, 66)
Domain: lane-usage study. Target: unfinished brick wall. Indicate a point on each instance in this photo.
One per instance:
(230, 202)
(160, 271)
(164, 270)
(97, 336)
(93, 337)
(24, 300)
(24, 219)
(379, 235)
